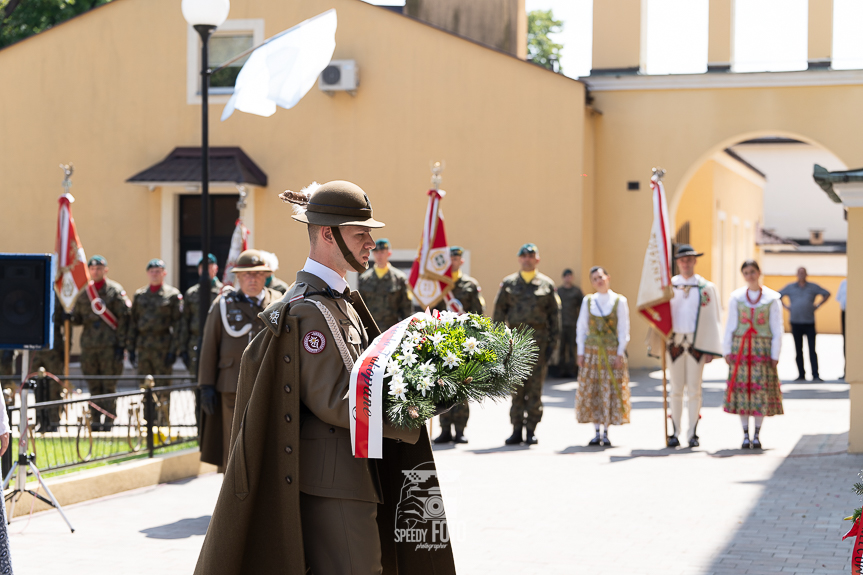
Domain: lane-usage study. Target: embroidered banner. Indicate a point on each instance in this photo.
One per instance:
(71, 275)
(655, 292)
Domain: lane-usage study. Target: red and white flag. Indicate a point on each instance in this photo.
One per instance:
(431, 274)
(857, 551)
(366, 394)
(655, 292)
(239, 244)
(71, 275)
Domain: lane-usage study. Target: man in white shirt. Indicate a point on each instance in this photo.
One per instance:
(695, 339)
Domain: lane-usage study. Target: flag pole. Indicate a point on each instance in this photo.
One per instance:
(66, 343)
(664, 395)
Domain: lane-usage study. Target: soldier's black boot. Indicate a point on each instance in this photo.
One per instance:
(516, 436)
(459, 436)
(445, 436)
(530, 438)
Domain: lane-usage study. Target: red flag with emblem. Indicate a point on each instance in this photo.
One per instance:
(655, 292)
(71, 274)
(431, 274)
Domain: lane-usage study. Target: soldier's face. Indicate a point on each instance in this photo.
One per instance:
(213, 269)
(97, 272)
(251, 283)
(156, 276)
(528, 261)
(456, 262)
(359, 241)
(567, 280)
(382, 257)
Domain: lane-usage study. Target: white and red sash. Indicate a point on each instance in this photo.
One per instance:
(366, 395)
(98, 306)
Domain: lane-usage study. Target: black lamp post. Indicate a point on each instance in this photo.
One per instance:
(205, 16)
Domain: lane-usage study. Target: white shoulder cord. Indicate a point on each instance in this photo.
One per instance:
(231, 331)
(337, 334)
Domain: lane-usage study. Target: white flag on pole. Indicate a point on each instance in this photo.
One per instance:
(284, 69)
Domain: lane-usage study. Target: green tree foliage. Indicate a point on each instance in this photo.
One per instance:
(540, 49)
(20, 19)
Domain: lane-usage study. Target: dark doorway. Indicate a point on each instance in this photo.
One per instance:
(223, 219)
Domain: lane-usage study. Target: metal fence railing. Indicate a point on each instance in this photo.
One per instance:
(81, 429)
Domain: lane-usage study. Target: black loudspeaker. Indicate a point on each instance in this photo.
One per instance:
(26, 301)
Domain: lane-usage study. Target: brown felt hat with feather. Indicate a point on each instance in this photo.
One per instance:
(337, 203)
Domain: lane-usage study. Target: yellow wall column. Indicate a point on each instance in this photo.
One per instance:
(820, 33)
(719, 35)
(617, 35)
(852, 198)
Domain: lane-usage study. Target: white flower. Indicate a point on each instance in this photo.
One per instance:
(407, 347)
(447, 317)
(471, 345)
(393, 367)
(408, 357)
(414, 337)
(451, 360)
(437, 339)
(426, 369)
(508, 332)
(424, 385)
(462, 318)
(397, 387)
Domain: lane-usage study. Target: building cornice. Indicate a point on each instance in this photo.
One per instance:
(714, 81)
(851, 193)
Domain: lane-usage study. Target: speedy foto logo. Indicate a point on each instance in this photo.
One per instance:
(420, 516)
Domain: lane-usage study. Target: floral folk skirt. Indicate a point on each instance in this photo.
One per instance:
(598, 399)
(755, 389)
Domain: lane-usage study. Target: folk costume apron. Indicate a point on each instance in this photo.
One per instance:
(753, 384)
(603, 392)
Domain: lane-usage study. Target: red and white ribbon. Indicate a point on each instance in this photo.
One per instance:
(366, 395)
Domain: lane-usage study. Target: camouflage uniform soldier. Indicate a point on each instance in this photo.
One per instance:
(102, 339)
(385, 289)
(570, 299)
(529, 298)
(53, 360)
(154, 331)
(190, 324)
(467, 291)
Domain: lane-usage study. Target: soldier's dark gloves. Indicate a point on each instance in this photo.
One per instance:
(187, 361)
(118, 353)
(444, 407)
(170, 358)
(133, 358)
(209, 399)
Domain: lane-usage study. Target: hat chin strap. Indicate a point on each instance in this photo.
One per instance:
(349, 257)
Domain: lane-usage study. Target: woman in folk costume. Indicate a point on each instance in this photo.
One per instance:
(753, 338)
(601, 336)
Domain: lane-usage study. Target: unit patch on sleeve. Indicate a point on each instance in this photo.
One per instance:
(314, 342)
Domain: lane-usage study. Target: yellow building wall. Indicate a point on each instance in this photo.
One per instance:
(827, 318)
(107, 91)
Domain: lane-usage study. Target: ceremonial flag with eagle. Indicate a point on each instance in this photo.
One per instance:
(655, 292)
(71, 274)
(431, 274)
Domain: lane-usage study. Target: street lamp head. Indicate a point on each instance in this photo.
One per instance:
(206, 12)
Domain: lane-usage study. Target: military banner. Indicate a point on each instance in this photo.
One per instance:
(431, 274)
(239, 244)
(71, 273)
(655, 292)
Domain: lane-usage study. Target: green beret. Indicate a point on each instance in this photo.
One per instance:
(527, 249)
(212, 259)
(155, 263)
(97, 260)
(382, 244)
(456, 251)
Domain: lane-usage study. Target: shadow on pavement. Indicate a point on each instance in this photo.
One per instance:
(584, 449)
(796, 523)
(664, 452)
(740, 452)
(181, 529)
(501, 449)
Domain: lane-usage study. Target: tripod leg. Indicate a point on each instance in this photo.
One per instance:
(12, 496)
(9, 475)
(50, 495)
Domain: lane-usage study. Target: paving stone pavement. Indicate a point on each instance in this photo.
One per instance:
(561, 507)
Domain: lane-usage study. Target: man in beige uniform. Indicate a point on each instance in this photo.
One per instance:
(294, 496)
(231, 324)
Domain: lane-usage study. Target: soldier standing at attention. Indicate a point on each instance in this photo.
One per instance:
(528, 298)
(467, 291)
(231, 324)
(385, 289)
(105, 318)
(154, 331)
(190, 325)
(570, 301)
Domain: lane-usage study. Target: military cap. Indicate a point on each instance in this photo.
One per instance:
(382, 244)
(97, 260)
(211, 258)
(528, 249)
(155, 263)
(684, 250)
(251, 261)
(567, 272)
(336, 203)
(456, 251)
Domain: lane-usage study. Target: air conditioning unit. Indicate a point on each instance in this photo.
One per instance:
(340, 76)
